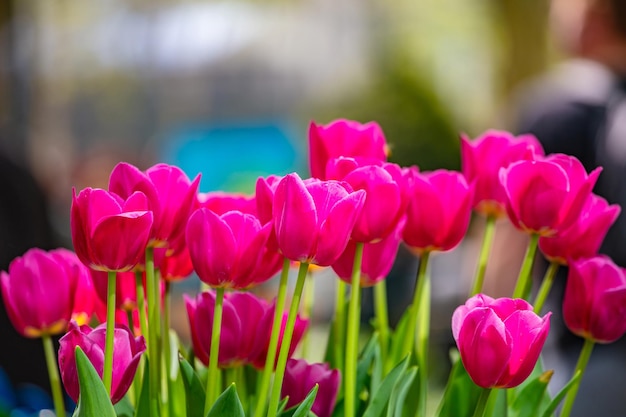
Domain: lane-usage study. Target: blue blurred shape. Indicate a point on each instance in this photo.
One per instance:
(7, 393)
(33, 398)
(232, 156)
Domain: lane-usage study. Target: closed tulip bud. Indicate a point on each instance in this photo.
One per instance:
(499, 340)
(546, 196)
(482, 159)
(109, 233)
(344, 138)
(439, 211)
(314, 219)
(126, 357)
(594, 304)
(301, 377)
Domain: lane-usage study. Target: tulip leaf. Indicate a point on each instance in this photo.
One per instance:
(195, 394)
(380, 399)
(497, 403)
(529, 399)
(461, 394)
(397, 339)
(94, 399)
(549, 411)
(227, 404)
(399, 392)
(367, 363)
(143, 403)
(304, 408)
(124, 408)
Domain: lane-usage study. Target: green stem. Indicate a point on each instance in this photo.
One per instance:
(352, 340)
(409, 340)
(423, 332)
(211, 385)
(153, 339)
(284, 348)
(141, 304)
(271, 350)
(524, 283)
(583, 359)
(129, 318)
(479, 279)
(340, 325)
(546, 285)
(307, 307)
(382, 319)
(107, 373)
(167, 348)
(479, 411)
(53, 374)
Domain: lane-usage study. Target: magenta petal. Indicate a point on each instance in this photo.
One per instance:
(606, 320)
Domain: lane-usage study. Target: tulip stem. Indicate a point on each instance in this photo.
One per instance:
(167, 348)
(418, 296)
(583, 359)
(479, 411)
(352, 337)
(153, 339)
(286, 344)
(107, 373)
(546, 285)
(524, 283)
(53, 374)
(141, 304)
(422, 302)
(479, 279)
(382, 319)
(307, 308)
(212, 378)
(270, 360)
(340, 325)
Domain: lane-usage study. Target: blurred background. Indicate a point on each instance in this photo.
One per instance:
(227, 88)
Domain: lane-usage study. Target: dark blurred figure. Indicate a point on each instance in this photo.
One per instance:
(580, 109)
(23, 224)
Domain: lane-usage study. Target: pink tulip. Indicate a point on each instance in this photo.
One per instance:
(584, 237)
(220, 202)
(378, 258)
(126, 357)
(301, 377)
(499, 340)
(594, 305)
(109, 233)
(439, 211)
(245, 332)
(344, 138)
(313, 219)
(174, 267)
(125, 289)
(170, 193)
(482, 159)
(546, 196)
(387, 195)
(225, 250)
(38, 292)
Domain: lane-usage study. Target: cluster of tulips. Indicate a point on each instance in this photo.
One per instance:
(151, 228)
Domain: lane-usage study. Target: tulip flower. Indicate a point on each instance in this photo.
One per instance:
(246, 328)
(128, 351)
(125, 289)
(174, 267)
(313, 219)
(439, 211)
(482, 160)
(594, 304)
(583, 238)
(301, 377)
(499, 340)
(225, 250)
(546, 196)
(344, 138)
(109, 233)
(170, 193)
(220, 202)
(38, 291)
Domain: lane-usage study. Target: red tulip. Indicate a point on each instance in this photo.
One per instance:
(126, 357)
(546, 196)
(594, 305)
(439, 211)
(499, 340)
(584, 237)
(482, 159)
(174, 267)
(110, 234)
(313, 219)
(301, 377)
(344, 138)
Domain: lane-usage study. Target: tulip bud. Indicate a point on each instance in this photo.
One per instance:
(301, 377)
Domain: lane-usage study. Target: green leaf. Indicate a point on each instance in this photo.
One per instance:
(368, 356)
(304, 408)
(94, 399)
(549, 411)
(497, 403)
(124, 408)
(380, 398)
(143, 404)
(461, 394)
(194, 391)
(227, 404)
(528, 401)
(399, 392)
(397, 339)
